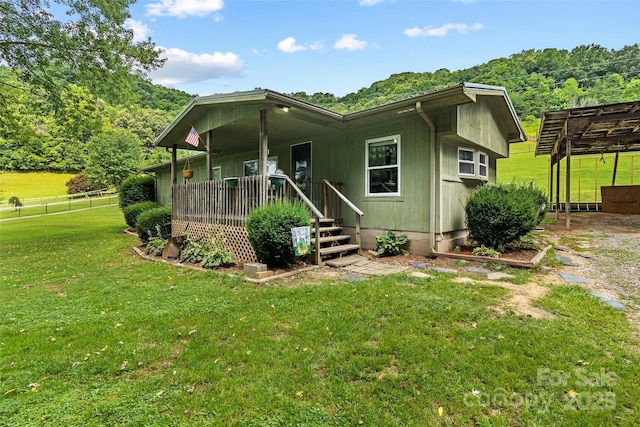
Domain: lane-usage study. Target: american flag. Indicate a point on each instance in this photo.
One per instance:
(192, 138)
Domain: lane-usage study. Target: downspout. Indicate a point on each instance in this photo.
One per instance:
(432, 178)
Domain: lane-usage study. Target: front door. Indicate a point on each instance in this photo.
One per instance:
(301, 166)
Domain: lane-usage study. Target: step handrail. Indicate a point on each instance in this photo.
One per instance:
(359, 213)
(343, 198)
(316, 214)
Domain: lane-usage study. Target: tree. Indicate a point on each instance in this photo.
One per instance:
(113, 156)
(92, 48)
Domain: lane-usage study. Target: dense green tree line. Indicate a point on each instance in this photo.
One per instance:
(536, 80)
(37, 135)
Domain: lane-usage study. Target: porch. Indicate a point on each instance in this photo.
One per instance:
(218, 209)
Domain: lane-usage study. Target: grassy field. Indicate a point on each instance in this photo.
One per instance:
(26, 185)
(90, 334)
(588, 173)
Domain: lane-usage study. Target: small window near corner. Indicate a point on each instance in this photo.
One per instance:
(483, 165)
(466, 162)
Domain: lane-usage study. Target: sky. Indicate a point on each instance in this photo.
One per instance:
(342, 46)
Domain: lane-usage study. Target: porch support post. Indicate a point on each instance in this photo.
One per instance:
(263, 156)
(558, 190)
(615, 169)
(209, 141)
(567, 179)
(174, 165)
(550, 181)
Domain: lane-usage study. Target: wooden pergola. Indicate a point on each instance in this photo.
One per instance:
(601, 129)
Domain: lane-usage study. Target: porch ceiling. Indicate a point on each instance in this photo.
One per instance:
(243, 134)
(592, 130)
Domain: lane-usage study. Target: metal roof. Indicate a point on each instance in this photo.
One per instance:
(592, 130)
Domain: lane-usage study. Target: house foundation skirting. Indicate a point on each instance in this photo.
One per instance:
(419, 242)
(236, 236)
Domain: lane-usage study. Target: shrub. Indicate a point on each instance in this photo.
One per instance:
(158, 219)
(132, 212)
(269, 228)
(79, 184)
(136, 189)
(499, 214)
(391, 243)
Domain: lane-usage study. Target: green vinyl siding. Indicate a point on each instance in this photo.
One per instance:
(409, 211)
(477, 122)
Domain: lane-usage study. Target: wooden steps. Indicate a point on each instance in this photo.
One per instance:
(332, 242)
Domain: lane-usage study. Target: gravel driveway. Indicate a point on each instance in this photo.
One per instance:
(607, 249)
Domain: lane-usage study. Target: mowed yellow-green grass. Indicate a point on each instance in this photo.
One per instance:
(588, 173)
(26, 185)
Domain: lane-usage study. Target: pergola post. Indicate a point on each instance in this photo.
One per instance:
(263, 156)
(550, 181)
(209, 143)
(558, 190)
(567, 182)
(615, 169)
(174, 165)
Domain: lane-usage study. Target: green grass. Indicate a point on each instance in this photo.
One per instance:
(588, 173)
(90, 334)
(26, 185)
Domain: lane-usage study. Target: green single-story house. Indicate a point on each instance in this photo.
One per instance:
(407, 166)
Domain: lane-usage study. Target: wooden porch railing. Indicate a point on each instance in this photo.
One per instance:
(219, 202)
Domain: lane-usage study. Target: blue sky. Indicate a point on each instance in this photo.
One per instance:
(341, 46)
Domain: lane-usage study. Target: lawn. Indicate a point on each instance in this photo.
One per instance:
(26, 185)
(90, 334)
(588, 173)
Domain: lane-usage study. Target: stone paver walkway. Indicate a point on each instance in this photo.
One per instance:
(357, 264)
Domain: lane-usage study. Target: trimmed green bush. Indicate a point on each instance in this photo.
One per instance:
(131, 212)
(136, 189)
(497, 215)
(154, 222)
(269, 228)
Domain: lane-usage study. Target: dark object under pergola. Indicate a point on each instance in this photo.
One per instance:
(588, 130)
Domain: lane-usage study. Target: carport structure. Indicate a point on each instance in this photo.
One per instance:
(601, 129)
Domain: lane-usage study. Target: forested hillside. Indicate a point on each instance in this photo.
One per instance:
(36, 135)
(536, 80)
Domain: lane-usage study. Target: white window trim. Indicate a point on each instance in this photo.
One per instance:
(471, 162)
(367, 169)
(485, 164)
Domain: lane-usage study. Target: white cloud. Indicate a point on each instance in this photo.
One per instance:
(140, 30)
(369, 2)
(186, 67)
(184, 8)
(289, 45)
(350, 42)
(443, 30)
